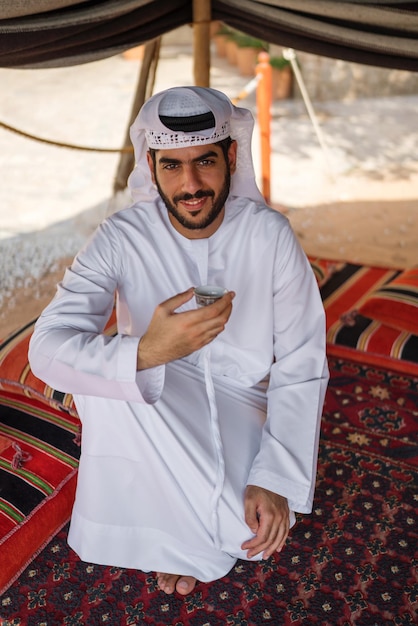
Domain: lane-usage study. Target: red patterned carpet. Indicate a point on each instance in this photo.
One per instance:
(349, 563)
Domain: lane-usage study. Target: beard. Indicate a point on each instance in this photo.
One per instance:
(217, 204)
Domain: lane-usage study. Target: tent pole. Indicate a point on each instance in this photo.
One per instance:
(144, 90)
(202, 14)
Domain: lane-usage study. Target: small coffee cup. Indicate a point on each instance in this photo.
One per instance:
(208, 294)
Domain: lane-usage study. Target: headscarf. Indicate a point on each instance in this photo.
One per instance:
(208, 116)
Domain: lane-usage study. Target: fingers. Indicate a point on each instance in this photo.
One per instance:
(215, 315)
(267, 541)
(219, 310)
(216, 308)
(173, 334)
(251, 517)
(267, 515)
(173, 303)
(208, 322)
(270, 538)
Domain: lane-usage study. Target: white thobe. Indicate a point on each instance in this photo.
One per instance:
(167, 452)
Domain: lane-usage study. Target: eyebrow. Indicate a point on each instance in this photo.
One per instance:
(206, 155)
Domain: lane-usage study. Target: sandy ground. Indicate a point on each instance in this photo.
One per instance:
(371, 232)
(353, 196)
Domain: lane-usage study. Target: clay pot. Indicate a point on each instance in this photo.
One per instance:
(247, 60)
(231, 51)
(220, 45)
(282, 83)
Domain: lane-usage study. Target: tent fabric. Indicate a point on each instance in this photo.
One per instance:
(53, 33)
(79, 32)
(374, 33)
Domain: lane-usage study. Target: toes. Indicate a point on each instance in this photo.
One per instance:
(172, 582)
(185, 584)
(167, 582)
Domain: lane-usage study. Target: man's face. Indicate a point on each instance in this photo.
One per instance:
(194, 185)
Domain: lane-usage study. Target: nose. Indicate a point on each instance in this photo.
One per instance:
(191, 179)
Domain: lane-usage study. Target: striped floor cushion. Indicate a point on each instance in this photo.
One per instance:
(39, 452)
(16, 375)
(350, 334)
(395, 303)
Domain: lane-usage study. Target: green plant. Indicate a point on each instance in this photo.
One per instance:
(247, 41)
(279, 63)
(224, 30)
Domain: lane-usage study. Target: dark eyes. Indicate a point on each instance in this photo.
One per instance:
(202, 163)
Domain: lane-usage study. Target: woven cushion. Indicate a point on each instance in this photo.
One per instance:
(324, 269)
(39, 452)
(17, 377)
(395, 303)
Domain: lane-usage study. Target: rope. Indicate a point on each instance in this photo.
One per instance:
(60, 144)
(248, 89)
(290, 55)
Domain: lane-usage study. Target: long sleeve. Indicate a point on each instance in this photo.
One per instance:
(69, 349)
(287, 459)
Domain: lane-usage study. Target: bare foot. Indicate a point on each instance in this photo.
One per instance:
(173, 582)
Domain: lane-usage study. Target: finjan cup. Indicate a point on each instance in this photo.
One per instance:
(208, 294)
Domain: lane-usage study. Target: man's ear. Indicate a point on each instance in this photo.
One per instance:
(151, 166)
(232, 156)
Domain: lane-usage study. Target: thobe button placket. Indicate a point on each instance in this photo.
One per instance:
(200, 253)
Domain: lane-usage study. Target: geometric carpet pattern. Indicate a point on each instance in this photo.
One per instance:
(351, 562)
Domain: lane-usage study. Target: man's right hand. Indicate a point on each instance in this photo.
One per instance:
(172, 335)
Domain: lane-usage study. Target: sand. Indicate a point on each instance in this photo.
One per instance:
(380, 233)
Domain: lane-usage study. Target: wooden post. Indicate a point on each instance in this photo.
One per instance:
(143, 92)
(201, 42)
(263, 100)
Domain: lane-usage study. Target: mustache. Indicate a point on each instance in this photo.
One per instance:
(202, 193)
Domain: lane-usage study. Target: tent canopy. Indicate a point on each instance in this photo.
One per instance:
(54, 33)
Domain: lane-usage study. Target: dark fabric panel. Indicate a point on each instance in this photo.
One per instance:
(369, 44)
(85, 41)
(21, 8)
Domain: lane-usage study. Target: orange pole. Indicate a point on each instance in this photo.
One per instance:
(263, 100)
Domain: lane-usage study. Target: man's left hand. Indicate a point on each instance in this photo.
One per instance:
(267, 515)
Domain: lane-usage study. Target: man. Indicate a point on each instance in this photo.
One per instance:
(200, 425)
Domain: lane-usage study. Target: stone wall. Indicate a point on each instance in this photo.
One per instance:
(334, 79)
